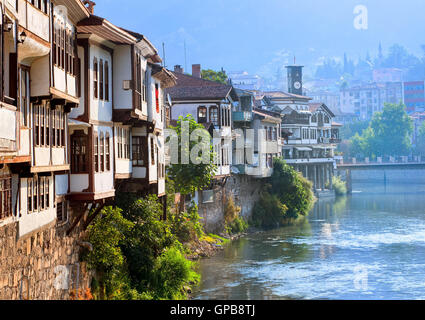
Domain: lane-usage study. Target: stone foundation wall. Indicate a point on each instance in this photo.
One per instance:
(43, 265)
(245, 191)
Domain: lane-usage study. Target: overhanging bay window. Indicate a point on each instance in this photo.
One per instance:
(38, 194)
(138, 147)
(79, 152)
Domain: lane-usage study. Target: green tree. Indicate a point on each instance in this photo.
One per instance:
(106, 234)
(391, 131)
(197, 173)
(420, 140)
(216, 76)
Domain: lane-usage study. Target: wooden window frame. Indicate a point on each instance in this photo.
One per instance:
(204, 108)
(153, 147)
(106, 74)
(79, 160)
(95, 79)
(137, 153)
(102, 152)
(30, 206)
(107, 152)
(96, 154)
(101, 80)
(5, 197)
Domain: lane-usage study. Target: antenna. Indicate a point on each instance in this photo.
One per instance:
(185, 56)
(163, 55)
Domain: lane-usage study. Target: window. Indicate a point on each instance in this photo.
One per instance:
(79, 156)
(140, 90)
(153, 149)
(29, 195)
(96, 153)
(202, 114)
(62, 211)
(95, 79)
(25, 97)
(41, 193)
(5, 197)
(106, 81)
(137, 151)
(107, 153)
(102, 152)
(123, 139)
(40, 5)
(35, 195)
(38, 194)
(101, 80)
(214, 115)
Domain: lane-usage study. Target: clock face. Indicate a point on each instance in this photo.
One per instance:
(297, 85)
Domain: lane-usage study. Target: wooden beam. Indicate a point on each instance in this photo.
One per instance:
(94, 215)
(77, 220)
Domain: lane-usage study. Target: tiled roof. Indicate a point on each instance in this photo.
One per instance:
(193, 88)
(315, 106)
(199, 93)
(104, 29)
(285, 95)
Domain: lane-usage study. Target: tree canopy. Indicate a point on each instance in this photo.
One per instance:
(217, 76)
(388, 134)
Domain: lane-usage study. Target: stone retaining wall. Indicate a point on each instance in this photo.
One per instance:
(43, 265)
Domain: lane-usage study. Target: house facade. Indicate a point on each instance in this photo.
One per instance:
(83, 111)
(258, 138)
(309, 132)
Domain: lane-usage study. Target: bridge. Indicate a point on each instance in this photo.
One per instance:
(391, 163)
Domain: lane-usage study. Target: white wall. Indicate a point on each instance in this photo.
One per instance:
(122, 71)
(100, 109)
(35, 220)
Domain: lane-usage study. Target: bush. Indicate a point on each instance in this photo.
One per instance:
(288, 197)
(339, 186)
(239, 225)
(172, 271)
(292, 189)
(269, 212)
(186, 225)
(234, 224)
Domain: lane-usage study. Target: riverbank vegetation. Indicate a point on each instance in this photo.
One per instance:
(139, 256)
(339, 186)
(287, 198)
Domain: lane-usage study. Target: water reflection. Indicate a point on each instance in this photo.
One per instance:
(377, 233)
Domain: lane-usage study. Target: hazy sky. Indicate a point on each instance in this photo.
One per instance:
(258, 36)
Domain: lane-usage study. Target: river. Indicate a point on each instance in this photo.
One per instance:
(369, 245)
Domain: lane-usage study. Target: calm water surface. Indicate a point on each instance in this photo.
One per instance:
(370, 245)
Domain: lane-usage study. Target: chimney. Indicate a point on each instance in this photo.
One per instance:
(196, 70)
(178, 68)
(89, 5)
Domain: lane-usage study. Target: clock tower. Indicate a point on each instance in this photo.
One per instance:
(295, 79)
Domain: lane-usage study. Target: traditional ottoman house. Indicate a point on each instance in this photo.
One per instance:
(15, 150)
(48, 85)
(260, 131)
(308, 131)
(39, 90)
(117, 133)
(210, 103)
